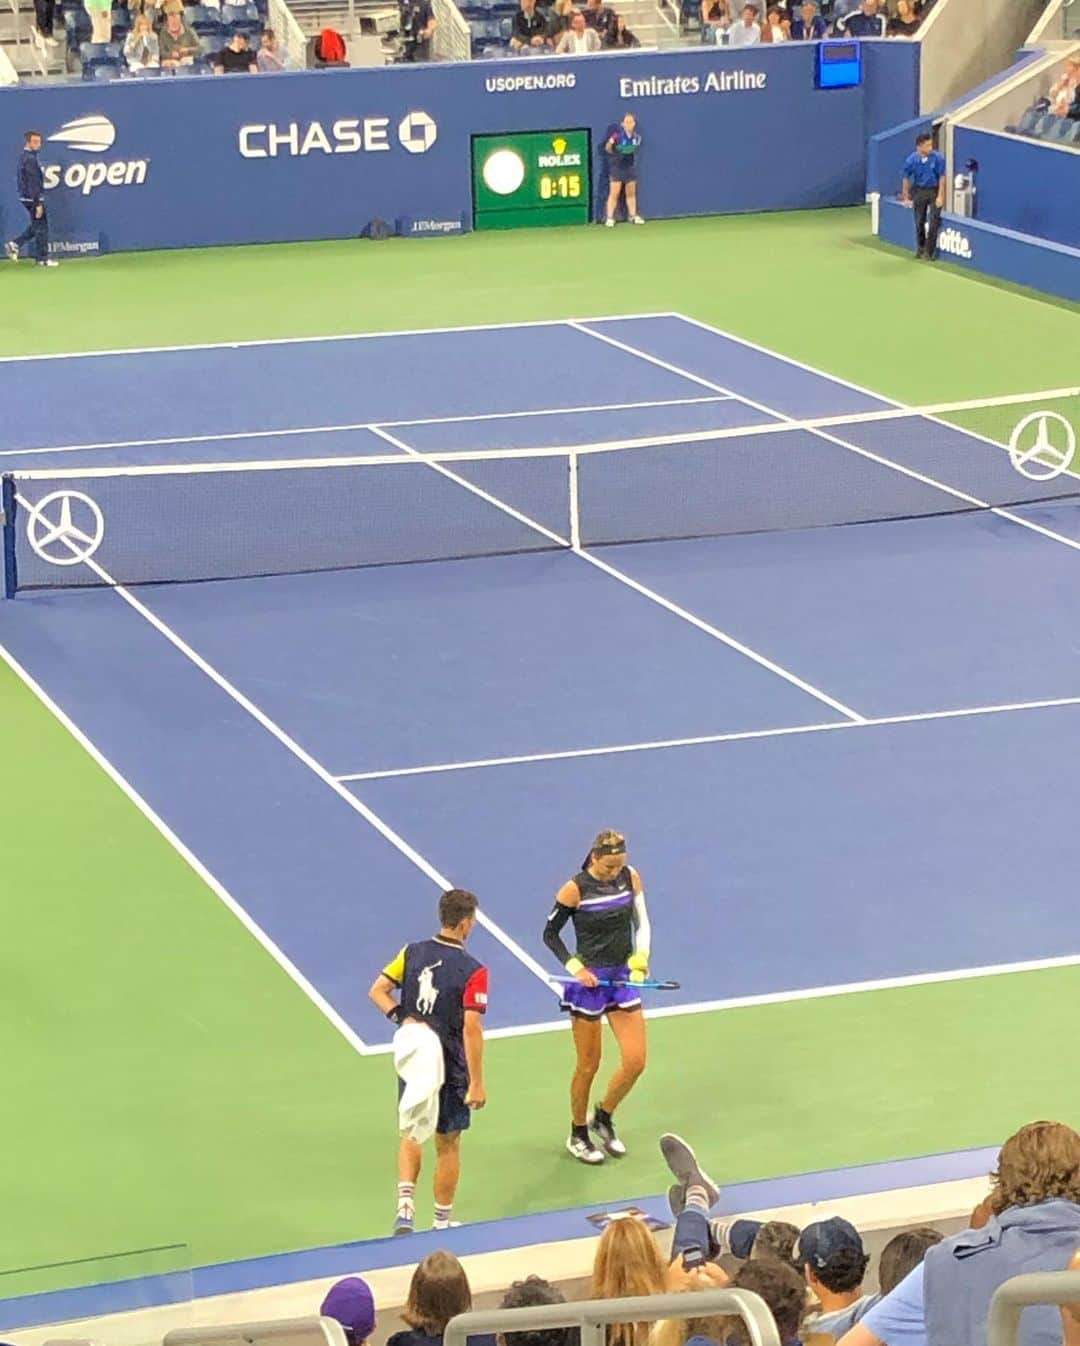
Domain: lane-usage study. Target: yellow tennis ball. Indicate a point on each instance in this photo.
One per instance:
(638, 962)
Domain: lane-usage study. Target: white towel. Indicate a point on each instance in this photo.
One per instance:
(418, 1060)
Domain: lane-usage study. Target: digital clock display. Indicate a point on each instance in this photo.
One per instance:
(531, 177)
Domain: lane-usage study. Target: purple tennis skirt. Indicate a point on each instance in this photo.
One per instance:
(594, 1002)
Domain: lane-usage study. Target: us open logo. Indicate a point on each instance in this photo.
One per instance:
(93, 135)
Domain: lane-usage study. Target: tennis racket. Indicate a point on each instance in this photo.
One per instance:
(650, 984)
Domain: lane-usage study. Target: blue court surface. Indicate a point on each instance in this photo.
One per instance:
(842, 754)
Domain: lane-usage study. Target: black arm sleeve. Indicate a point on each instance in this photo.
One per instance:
(559, 916)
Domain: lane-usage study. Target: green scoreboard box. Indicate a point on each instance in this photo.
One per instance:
(531, 177)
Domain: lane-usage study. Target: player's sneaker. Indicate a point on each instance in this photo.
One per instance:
(637, 220)
(584, 1150)
(604, 1127)
(405, 1220)
(49, 262)
(682, 1161)
(11, 252)
(609, 224)
(447, 1224)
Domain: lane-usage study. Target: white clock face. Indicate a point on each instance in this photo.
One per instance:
(504, 172)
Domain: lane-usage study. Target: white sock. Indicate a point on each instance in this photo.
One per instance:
(697, 1199)
(406, 1191)
(442, 1216)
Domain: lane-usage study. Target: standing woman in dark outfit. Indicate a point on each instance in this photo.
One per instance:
(621, 148)
(605, 903)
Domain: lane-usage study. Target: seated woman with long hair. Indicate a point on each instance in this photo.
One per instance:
(627, 1263)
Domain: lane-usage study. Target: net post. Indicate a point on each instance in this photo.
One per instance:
(575, 516)
(7, 535)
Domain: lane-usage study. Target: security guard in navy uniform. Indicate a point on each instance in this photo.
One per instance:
(924, 189)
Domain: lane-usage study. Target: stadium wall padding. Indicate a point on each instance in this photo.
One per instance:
(160, 163)
(990, 250)
(1022, 185)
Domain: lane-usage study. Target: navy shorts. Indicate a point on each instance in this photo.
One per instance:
(596, 1001)
(454, 1113)
(621, 168)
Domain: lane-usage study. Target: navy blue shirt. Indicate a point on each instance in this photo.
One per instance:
(862, 25)
(926, 172)
(800, 32)
(30, 178)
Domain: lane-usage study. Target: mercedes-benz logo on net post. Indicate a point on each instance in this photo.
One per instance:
(417, 132)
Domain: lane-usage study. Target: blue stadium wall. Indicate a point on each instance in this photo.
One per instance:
(1022, 185)
(182, 162)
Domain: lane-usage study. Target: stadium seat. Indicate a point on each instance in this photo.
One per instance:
(104, 72)
(77, 28)
(205, 21)
(1027, 122)
(93, 54)
(241, 19)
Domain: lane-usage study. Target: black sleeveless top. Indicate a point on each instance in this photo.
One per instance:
(604, 920)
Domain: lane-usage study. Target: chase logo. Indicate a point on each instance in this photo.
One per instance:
(95, 134)
(417, 132)
(954, 242)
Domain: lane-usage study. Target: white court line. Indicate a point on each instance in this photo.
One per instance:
(879, 458)
(261, 718)
(671, 607)
(215, 886)
(786, 997)
(735, 736)
(355, 426)
(309, 340)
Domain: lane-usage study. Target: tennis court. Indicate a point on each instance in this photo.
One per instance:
(843, 755)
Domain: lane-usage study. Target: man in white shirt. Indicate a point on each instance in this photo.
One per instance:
(578, 40)
(746, 31)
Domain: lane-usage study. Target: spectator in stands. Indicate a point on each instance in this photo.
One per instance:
(601, 18)
(905, 22)
(1063, 90)
(438, 1292)
(622, 36)
(100, 12)
(808, 25)
(778, 1284)
(627, 1263)
(418, 24)
(834, 1262)
(864, 22)
(177, 43)
(715, 18)
(776, 28)
(532, 1293)
(1033, 1224)
(272, 55)
(777, 1239)
(31, 184)
(839, 11)
(559, 17)
(579, 40)
(44, 14)
(352, 1304)
(141, 50)
(902, 1254)
(746, 32)
(529, 28)
(235, 57)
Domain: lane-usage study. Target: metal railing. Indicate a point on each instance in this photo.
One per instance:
(1040, 1287)
(289, 33)
(453, 38)
(592, 1317)
(311, 1331)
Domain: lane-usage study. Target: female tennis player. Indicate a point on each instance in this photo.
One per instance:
(606, 904)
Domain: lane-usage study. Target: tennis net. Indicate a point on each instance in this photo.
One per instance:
(215, 520)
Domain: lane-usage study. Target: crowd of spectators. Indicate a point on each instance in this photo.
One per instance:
(931, 1290)
(153, 35)
(732, 24)
(568, 28)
